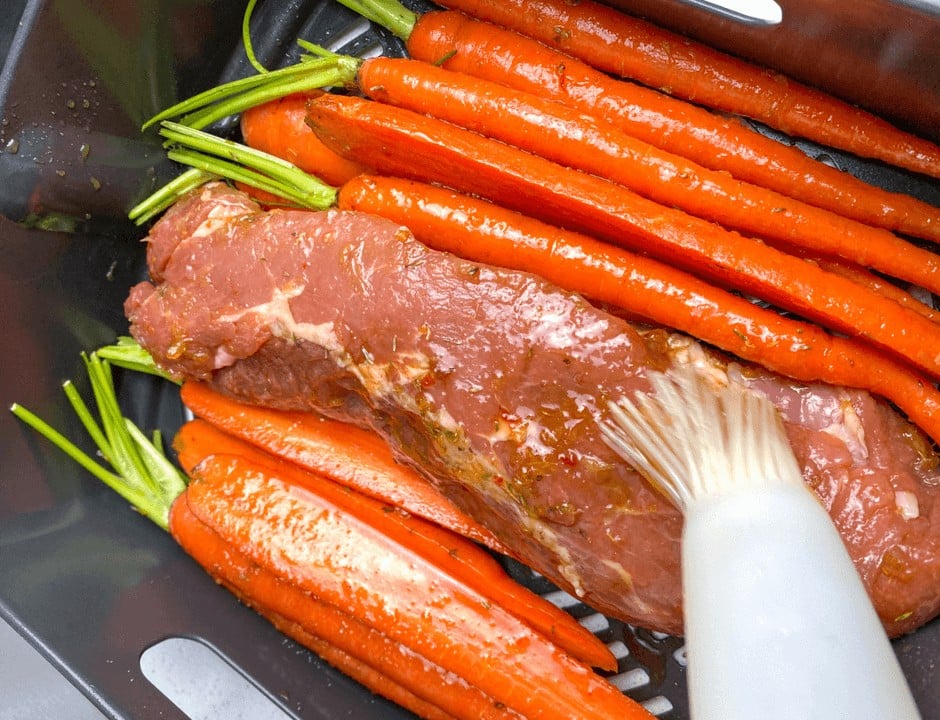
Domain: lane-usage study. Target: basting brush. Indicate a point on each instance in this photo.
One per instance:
(777, 621)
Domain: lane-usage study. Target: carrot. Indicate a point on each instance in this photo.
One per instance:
(197, 439)
(566, 136)
(342, 452)
(451, 553)
(321, 549)
(360, 671)
(459, 43)
(878, 284)
(366, 654)
(627, 46)
(400, 142)
(480, 231)
(280, 123)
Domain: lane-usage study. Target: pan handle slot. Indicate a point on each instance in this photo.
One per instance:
(204, 685)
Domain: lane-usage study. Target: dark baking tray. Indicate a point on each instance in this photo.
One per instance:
(89, 583)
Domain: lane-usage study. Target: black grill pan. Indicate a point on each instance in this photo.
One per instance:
(89, 583)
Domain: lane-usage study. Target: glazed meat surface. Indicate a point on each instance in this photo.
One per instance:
(491, 382)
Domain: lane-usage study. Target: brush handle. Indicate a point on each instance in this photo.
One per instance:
(778, 623)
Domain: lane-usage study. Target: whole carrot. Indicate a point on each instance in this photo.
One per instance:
(280, 123)
(346, 454)
(380, 683)
(878, 284)
(461, 559)
(566, 136)
(627, 46)
(404, 143)
(321, 550)
(360, 671)
(368, 655)
(458, 42)
(655, 292)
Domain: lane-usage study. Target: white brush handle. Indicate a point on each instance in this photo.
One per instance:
(778, 624)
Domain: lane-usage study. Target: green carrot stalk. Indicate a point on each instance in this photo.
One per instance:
(128, 354)
(217, 157)
(231, 98)
(140, 471)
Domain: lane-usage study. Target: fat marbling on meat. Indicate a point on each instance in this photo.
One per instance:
(491, 383)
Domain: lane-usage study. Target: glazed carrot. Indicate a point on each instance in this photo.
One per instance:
(321, 549)
(280, 123)
(878, 284)
(618, 43)
(476, 48)
(566, 136)
(342, 452)
(363, 673)
(461, 559)
(367, 655)
(401, 142)
(480, 231)
(312, 544)
(197, 439)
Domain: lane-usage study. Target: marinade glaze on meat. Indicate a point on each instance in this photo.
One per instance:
(491, 383)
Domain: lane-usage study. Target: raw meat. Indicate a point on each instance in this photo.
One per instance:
(491, 383)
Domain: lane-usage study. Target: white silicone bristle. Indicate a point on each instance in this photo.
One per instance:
(692, 438)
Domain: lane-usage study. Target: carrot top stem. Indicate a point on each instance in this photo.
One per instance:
(140, 471)
(127, 353)
(314, 71)
(390, 14)
(210, 157)
(246, 37)
(214, 157)
(307, 190)
(161, 199)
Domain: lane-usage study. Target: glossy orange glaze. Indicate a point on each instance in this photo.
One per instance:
(363, 652)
